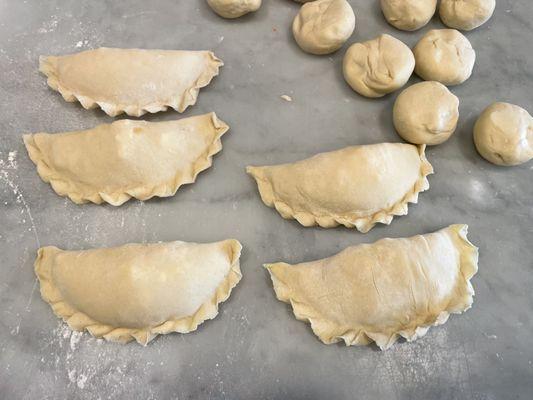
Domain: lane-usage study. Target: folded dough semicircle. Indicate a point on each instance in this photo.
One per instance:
(356, 186)
(138, 291)
(127, 158)
(378, 292)
(134, 81)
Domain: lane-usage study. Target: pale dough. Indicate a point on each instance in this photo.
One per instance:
(234, 8)
(381, 291)
(426, 113)
(322, 26)
(114, 162)
(503, 134)
(133, 81)
(408, 15)
(444, 55)
(378, 66)
(138, 291)
(466, 14)
(357, 186)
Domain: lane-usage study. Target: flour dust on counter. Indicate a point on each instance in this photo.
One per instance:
(255, 349)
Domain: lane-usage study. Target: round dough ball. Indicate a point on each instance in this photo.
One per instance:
(234, 8)
(426, 113)
(444, 55)
(322, 26)
(466, 14)
(408, 15)
(503, 134)
(378, 66)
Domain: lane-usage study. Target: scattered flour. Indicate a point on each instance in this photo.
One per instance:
(12, 159)
(65, 338)
(7, 168)
(10, 163)
(74, 339)
(82, 43)
(490, 336)
(72, 375)
(78, 379)
(49, 26)
(81, 381)
(86, 363)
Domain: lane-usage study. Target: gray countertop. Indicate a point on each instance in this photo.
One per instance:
(255, 348)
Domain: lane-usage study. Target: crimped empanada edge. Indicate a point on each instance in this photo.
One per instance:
(80, 321)
(72, 190)
(364, 224)
(47, 65)
(357, 336)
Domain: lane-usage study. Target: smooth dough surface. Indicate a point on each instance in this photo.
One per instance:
(138, 291)
(234, 8)
(133, 81)
(125, 159)
(408, 15)
(379, 66)
(378, 292)
(503, 134)
(444, 55)
(426, 113)
(356, 186)
(466, 14)
(322, 26)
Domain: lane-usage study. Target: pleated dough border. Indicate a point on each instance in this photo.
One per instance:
(328, 333)
(79, 321)
(363, 224)
(48, 67)
(67, 188)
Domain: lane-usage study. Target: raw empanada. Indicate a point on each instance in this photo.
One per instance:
(125, 159)
(357, 186)
(138, 291)
(381, 291)
(133, 81)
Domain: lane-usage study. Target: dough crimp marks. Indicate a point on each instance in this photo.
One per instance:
(330, 332)
(80, 321)
(48, 66)
(362, 224)
(76, 193)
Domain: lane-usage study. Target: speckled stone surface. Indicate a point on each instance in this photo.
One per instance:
(255, 349)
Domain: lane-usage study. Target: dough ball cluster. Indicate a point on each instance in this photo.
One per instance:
(378, 66)
(408, 15)
(322, 26)
(466, 14)
(426, 113)
(234, 8)
(444, 55)
(503, 134)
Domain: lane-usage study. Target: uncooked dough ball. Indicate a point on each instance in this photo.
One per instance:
(426, 113)
(503, 134)
(234, 8)
(322, 26)
(408, 15)
(378, 66)
(466, 14)
(444, 55)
